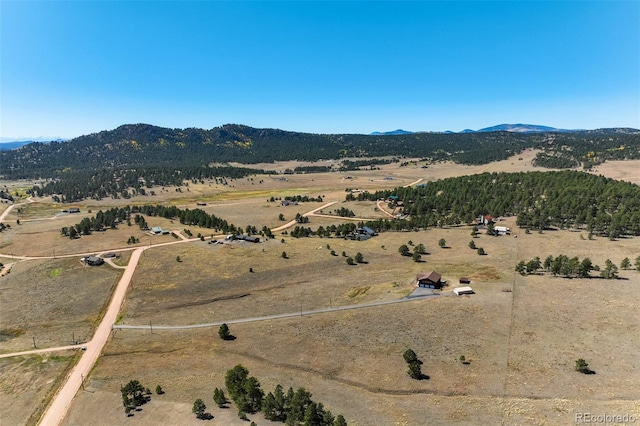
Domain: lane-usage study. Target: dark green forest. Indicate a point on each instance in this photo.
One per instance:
(541, 200)
(142, 145)
(139, 156)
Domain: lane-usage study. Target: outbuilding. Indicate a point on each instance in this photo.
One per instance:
(463, 290)
(465, 280)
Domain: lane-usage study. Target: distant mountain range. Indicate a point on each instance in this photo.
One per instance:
(393, 132)
(9, 145)
(517, 128)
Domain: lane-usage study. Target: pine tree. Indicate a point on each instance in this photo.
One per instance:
(223, 332)
(198, 408)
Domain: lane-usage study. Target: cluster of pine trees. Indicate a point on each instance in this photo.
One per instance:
(69, 185)
(291, 407)
(566, 199)
(573, 267)
(114, 216)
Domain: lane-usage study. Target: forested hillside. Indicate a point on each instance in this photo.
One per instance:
(541, 200)
(133, 158)
(142, 145)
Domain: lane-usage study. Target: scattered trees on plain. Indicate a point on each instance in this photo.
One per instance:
(219, 398)
(224, 332)
(133, 395)
(198, 408)
(583, 367)
(415, 365)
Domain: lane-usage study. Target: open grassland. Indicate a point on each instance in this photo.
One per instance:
(213, 282)
(521, 344)
(52, 300)
(27, 383)
(521, 335)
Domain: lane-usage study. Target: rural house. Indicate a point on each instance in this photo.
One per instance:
(93, 261)
(484, 220)
(431, 279)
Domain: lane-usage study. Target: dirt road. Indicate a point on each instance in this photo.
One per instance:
(60, 404)
(293, 222)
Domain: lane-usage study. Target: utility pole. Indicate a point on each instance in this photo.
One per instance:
(73, 337)
(150, 327)
(34, 342)
(82, 381)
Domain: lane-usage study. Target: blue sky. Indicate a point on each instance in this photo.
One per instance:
(76, 67)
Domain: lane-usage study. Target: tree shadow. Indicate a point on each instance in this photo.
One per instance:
(229, 337)
(206, 416)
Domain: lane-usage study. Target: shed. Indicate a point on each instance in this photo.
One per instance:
(465, 280)
(74, 210)
(463, 290)
(502, 230)
(431, 279)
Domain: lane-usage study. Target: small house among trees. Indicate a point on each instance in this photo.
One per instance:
(484, 220)
(431, 279)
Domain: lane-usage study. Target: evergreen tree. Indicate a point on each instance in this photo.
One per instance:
(219, 398)
(198, 408)
(223, 332)
(409, 356)
(625, 264)
(340, 421)
(415, 370)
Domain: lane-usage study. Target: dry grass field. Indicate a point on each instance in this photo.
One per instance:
(28, 382)
(54, 301)
(521, 335)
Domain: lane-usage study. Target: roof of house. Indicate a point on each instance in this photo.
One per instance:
(156, 229)
(432, 276)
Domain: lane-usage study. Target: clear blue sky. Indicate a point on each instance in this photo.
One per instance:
(76, 67)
